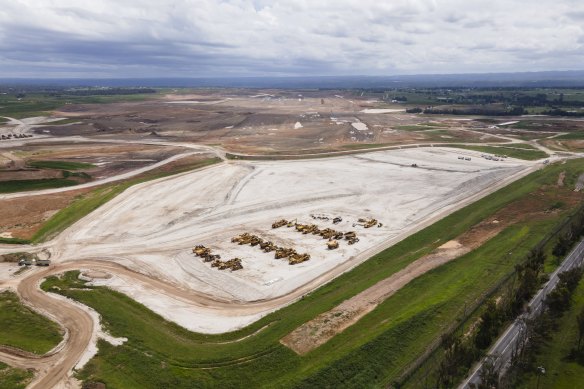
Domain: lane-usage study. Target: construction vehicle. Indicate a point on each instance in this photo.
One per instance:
(242, 239)
(282, 252)
(298, 258)
(328, 233)
(332, 244)
(255, 240)
(337, 220)
(367, 223)
(350, 235)
(280, 223)
(200, 250)
(233, 264)
(211, 257)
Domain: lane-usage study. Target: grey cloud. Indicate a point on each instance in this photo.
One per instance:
(255, 37)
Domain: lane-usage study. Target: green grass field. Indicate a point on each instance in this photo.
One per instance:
(60, 165)
(39, 104)
(25, 329)
(561, 373)
(371, 353)
(14, 378)
(522, 152)
(571, 136)
(28, 185)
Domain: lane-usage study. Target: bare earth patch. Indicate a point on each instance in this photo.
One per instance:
(561, 178)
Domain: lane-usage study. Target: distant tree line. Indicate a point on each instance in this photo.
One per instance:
(483, 111)
(561, 112)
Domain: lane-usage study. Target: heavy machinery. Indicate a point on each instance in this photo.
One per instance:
(200, 250)
(282, 252)
(279, 223)
(233, 264)
(337, 220)
(332, 244)
(368, 223)
(267, 246)
(255, 240)
(351, 237)
(298, 258)
(242, 239)
(205, 253)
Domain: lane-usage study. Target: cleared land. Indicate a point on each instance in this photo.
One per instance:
(385, 341)
(211, 206)
(140, 241)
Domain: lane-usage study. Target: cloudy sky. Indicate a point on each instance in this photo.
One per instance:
(202, 38)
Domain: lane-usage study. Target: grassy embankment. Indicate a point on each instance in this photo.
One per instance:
(25, 329)
(29, 185)
(60, 165)
(371, 353)
(514, 151)
(14, 378)
(47, 183)
(561, 372)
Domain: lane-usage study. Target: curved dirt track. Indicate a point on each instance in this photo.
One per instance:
(54, 367)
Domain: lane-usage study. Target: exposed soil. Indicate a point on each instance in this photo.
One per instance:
(22, 217)
(561, 178)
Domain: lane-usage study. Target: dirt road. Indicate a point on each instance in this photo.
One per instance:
(53, 368)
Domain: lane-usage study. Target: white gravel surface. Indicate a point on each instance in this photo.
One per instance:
(153, 226)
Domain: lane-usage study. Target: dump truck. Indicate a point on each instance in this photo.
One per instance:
(332, 244)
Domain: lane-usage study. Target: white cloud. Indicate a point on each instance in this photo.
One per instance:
(238, 37)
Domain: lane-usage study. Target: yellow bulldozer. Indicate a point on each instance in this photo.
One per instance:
(298, 258)
(279, 223)
(332, 244)
(200, 250)
(244, 238)
(282, 252)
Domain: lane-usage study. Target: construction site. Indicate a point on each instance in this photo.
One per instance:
(246, 231)
(216, 225)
